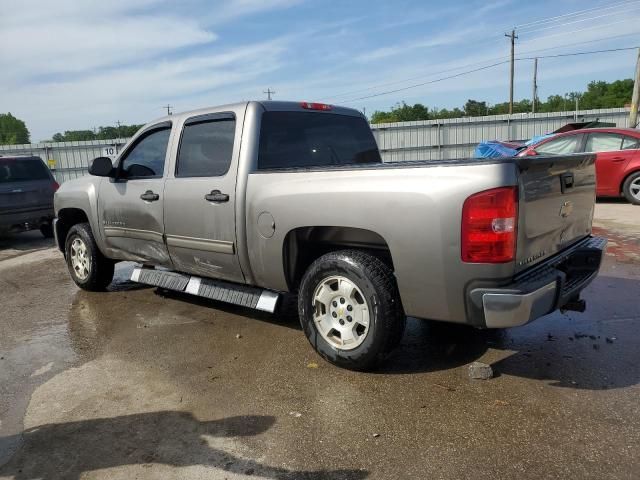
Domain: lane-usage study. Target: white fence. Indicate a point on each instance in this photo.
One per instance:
(423, 140)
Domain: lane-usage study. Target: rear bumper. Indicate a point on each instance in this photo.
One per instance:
(540, 291)
(24, 220)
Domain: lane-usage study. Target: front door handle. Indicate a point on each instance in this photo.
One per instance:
(618, 159)
(216, 196)
(149, 196)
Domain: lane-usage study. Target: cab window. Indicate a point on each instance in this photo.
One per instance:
(146, 158)
(559, 146)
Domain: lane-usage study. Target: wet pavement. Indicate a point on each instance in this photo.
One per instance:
(134, 383)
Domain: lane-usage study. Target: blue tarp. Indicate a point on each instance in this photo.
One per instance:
(494, 150)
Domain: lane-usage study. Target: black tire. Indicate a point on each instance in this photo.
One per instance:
(100, 268)
(47, 230)
(626, 188)
(378, 286)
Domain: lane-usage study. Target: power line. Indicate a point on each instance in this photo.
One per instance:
(573, 54)
(467, 72)
(570, 32)
(576, 13)
(578, 21)
(409, 79)
(428, 83)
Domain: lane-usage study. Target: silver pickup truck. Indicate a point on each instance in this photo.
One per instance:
(243, 203)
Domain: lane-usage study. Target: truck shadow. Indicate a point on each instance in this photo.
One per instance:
(174, 438)
(594, 350)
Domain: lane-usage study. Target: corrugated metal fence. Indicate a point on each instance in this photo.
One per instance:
(458, 137)
(423, 140)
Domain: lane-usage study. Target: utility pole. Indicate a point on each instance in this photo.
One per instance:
(118, 124)
(535, 85)
(633, 115)
(168, 107)
(269, 92)
(513, 37)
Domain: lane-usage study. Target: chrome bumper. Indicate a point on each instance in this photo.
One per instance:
(503, 310)
(543, 289)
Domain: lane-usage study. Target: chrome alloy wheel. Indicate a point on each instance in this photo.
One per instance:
(634, 188)
(80, 259)
(341, 313)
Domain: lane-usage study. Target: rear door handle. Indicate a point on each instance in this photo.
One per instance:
(216, 196)
(149, 196)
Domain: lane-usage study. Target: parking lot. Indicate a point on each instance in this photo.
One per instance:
(135, 383)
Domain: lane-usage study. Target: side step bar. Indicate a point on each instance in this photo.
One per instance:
(243, 295)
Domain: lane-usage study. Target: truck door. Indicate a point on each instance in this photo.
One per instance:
(200, 223)
(130, 206)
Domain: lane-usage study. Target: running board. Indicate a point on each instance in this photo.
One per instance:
(243, 295)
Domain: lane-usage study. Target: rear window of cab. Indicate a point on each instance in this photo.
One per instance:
(307, 139)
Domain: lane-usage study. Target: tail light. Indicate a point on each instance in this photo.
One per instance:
(55, 186)
(315, 106)
(489, 226)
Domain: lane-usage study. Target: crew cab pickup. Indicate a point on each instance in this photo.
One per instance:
(248, 202)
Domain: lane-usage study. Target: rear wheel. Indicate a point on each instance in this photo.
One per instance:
(89, 269)
(350, 309)
(631, 188)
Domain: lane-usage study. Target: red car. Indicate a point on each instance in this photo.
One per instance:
(617, 157)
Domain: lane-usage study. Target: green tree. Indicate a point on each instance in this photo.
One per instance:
(474, 108)
(13, 131)
(599, 94)
(402, 113)
(102, 133)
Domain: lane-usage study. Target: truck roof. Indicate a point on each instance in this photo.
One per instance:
(268, 105)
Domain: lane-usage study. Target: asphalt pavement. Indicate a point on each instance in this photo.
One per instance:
(137, 383)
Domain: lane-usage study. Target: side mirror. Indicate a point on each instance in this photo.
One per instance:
(101, 167)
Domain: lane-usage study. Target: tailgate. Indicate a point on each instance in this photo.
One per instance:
(557, 198)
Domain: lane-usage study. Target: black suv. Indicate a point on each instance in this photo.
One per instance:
(26, 195)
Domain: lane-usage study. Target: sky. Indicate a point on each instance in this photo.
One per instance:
(81, 64)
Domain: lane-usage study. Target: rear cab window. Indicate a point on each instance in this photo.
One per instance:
(308, 139)
(23, 170)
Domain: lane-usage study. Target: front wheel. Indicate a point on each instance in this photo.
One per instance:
(631, 188)
(350, 309)
(89, 269)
